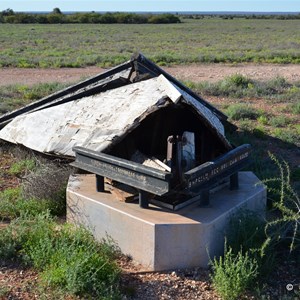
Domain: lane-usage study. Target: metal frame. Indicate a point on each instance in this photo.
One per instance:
(196, 183)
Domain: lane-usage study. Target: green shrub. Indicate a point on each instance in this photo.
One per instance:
(262, 120)
(13, 205)
(239, 86)
(259, 132)
(233, 274)
(22, 167)
(280, 121)
(295, 108)
(236, 86)
(285, 229)
(163, 19)
(277, 85)
(247, 231)
(48, 181)
(15, 96)
(68, 258)
(287, 135)
(9, 246)
(242, 111)
(238, 80)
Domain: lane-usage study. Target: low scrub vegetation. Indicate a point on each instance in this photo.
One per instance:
(18, 95)
(68, 258)
(14, 205)
(242, 111)
(285, 229)
(41, 187)
(239, 86)
(192, 41)
(233, 274)
(263, 109)
(256, 244)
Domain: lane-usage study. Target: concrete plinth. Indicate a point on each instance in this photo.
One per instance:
(157, 238)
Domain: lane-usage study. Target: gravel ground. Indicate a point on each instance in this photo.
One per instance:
(17, 283)
(197, 72)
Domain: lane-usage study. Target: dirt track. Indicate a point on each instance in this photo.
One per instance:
(199, 72)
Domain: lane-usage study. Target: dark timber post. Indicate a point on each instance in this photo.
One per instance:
(99, 183)
(234, 181)
(205, 197)
(143, 199)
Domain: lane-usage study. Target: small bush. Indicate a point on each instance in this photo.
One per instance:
(233, 274)
(295, 108)
(287, 135)
(262, 120)
(277, 85)
(22, 167)
(13, 205)
(247, 231)
(239, 86)
(48, 181)
(242, 111)
(259, 132)
(8, 245)
(238, 80)
(280, 121)
(286, 228)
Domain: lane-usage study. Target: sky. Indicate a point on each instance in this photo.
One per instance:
(153, 5)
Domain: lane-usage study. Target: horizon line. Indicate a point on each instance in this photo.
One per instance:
(166, 11)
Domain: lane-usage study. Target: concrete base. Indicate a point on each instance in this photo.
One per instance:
(157, 238)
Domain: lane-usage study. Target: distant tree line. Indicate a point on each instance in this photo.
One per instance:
(244, 16)
(56, 17)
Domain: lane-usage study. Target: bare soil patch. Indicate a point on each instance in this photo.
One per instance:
(196, 73)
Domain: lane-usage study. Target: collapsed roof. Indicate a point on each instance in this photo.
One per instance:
(99, 112)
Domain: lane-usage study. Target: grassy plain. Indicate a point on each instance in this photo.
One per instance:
(204, 40)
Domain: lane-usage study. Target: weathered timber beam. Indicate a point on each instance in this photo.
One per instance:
(212, 172)
(141, 177)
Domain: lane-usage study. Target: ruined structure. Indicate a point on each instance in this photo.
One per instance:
(138, 125)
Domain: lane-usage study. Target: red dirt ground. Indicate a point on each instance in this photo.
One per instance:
(196, 73)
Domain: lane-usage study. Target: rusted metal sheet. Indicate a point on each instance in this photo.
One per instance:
(100, 120)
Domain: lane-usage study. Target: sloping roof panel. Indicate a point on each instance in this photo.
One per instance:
(98, 111)
(93, 122)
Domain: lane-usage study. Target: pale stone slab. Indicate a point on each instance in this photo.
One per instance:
(157, 238)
